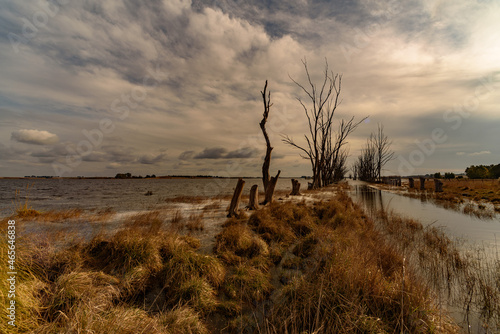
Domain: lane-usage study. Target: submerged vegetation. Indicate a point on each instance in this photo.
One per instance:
(319, 267)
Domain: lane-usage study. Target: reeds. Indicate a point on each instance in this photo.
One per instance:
(464, 277)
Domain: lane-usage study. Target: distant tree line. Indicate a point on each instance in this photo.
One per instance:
(447, 176)
(130, 176)
(483, 172)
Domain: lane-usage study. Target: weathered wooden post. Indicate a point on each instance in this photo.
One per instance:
(438, 185)
(295, 187)
(422, 183)
(270, 188)
(253, 203)
(412, 182)
(235, 201)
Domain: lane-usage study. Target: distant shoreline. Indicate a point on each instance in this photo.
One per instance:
(112, 177)
(133, 178)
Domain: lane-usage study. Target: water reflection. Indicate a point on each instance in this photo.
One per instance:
(371, 198)
(456, 224)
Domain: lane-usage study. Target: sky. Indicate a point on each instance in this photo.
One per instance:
(172, 87)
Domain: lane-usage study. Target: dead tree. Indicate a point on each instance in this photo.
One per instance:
(319, 116)
(382, 146)
(327, 158)
(235, 201)
(266, 179)
(269, 148)
(253, 202)
(295, 188)
(270, 189)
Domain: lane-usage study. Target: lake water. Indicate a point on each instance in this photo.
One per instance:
(118, 194)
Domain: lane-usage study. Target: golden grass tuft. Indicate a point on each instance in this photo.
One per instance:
(241, 242)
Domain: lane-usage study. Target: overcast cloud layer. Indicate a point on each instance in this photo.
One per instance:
(173, 87)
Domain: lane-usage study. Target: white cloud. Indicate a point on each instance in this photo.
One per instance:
(479, 153)
(408, 69)
(36, 137)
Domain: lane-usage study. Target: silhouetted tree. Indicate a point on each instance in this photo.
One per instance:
(324, 148)
(269, 182)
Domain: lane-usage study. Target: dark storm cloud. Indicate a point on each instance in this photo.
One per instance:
(152, 159)
(243, 153)
(211, 153)
(220, 153)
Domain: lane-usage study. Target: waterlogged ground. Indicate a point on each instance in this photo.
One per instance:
(309, 263)
(201, 217)
(465, 269)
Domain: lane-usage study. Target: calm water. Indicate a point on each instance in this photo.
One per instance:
(456, 224)
(120, 195)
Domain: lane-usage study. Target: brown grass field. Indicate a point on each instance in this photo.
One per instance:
(480, 198)
(291, 267)
(458, 190)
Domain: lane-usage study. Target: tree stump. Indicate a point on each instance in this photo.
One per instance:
(253, 203)
(412, 182)
(422, 183)
(295, 188)
(235, 201)
(438, 185)
(270, 189)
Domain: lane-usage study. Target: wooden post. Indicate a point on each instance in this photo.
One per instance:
(295, 187)
(270, 189)
(399, 181)
(412, 182)
(422, 183)
(235, 201)
(253, 203)
(439, 185)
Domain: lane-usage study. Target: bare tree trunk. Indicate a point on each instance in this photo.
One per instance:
(253, 203)
(267, 158)
(235, 201)
(270, 189)
(412, 182)
(295, 188)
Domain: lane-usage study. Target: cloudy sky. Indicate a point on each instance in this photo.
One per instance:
(173, 86)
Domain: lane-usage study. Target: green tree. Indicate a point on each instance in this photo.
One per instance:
(477, 172)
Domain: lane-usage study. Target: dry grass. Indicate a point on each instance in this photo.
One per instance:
(292, 268)
(195, 223)
(459, 190)
(136, 280)
(466, 279)
(328, 270)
